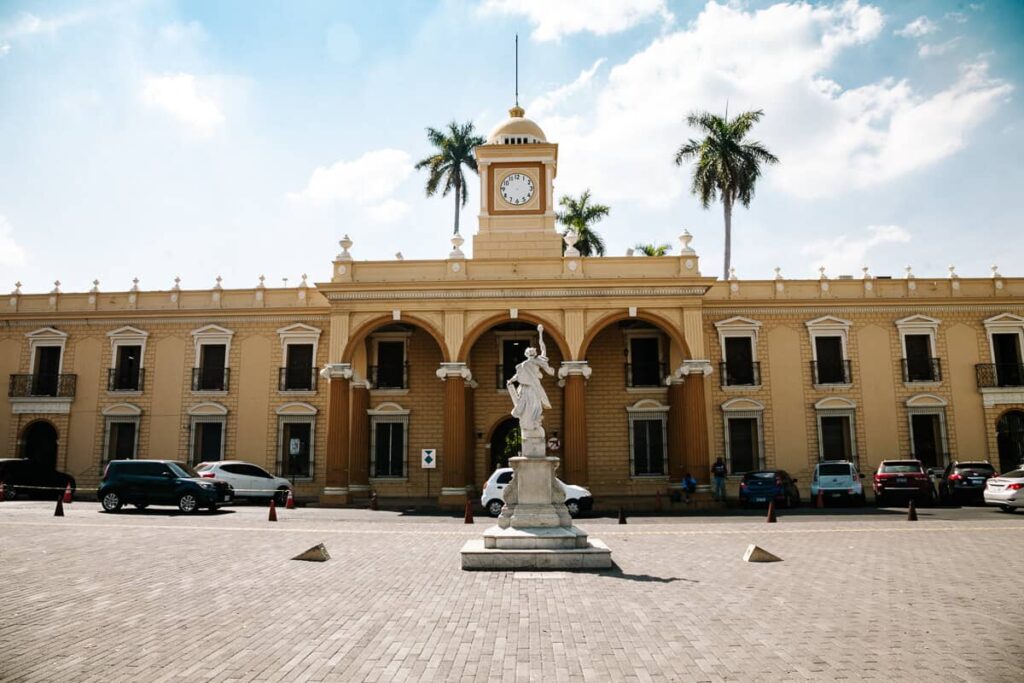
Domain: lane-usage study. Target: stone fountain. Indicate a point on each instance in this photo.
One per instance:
(534, 529)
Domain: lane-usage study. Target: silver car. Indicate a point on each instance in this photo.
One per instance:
(1006, 490)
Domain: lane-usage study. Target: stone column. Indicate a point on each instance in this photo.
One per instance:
(453, 443)
(573, 375)
(470, 435)
(336, 490)
(695, 418)
(677, 442)
(359, 441)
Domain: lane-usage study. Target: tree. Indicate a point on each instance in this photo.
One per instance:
(454, 150)
(652, 250)
(727, 164)
(579, 215)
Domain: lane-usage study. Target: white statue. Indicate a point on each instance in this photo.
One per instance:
(529, 399)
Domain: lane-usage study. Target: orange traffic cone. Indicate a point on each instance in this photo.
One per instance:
(820, 501)
(657, 501)
(622, 516)
(272, 517)
(289, 503)
(912, 511)
(771, 513)
(59, 511)
(469, 512)
(67, 493)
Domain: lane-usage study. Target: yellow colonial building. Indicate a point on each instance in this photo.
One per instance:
(341, 385)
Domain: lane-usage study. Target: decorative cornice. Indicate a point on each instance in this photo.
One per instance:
(851, 307)
(337, 371)
(448, 370)
(687, 368)
(524, 293)
(574, 367)
(88, 319)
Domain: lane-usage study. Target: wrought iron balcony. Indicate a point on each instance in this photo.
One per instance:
(297, 379)
(122, 379)
(57, 386)
(740, 374)
(922, 370)
(831, 372)
(210, 379)
(999, 375)
(389, 376)
(646, 374)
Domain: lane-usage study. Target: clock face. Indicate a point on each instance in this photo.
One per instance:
(517, 188)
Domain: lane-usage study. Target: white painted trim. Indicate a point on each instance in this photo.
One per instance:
(46, 337)
(648, 409)
(127, 336)
(1004, 323)
(379, 416)
(207, 408)
(213, 335)
(926, 401)
(647, 405)
(122, 410)
(298, 333)
(755, 415)
(296, 408)
(196, 419)
(940, 411)
(388, 409)
(741, 404)
(835, 403)
(282, 420)
(108, 422)
(851, 425)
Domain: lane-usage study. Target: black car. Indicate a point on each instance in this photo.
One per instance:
(965, 481)
(26, 478)
(159, 482)
(765, 486)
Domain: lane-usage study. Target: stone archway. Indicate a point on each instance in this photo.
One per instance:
(39, 444)
(506, 442)
(1010, 437)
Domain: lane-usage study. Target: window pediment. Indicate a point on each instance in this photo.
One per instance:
(738, 323)
(47, 334)
(1004, 321)
(742, 404)
(835, 403)
(122, 410)
(296, 408)
(926, 401)
(828, 323)
(211, 331)
(647, 405)
(208, 408)
(127, 332)
(388, 409)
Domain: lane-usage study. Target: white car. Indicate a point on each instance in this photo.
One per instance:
(837, 480)
(1006, 490)
(577, 498)
(249, 480)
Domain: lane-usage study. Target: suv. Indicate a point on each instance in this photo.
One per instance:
(766, 486)
(27, 478)
(902, 478)
(964, 481)
(837, 480)
(249, 480)
(159, 482)
(577, 498)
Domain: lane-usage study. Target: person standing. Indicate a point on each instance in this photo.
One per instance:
(718, 472)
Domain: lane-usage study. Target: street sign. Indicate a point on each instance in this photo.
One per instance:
(554, 444)
(429, 458)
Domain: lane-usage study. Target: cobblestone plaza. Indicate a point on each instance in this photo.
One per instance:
(158, 596)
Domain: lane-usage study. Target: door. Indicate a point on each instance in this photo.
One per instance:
(211, 367)
(919, 358)
(1010, 437)
(40, 445)
(295, 445)
(299, 367)
(927, 437)
(129, 362)
(743, 445)
(739, 361)
(208, 441)
(835, 438)
(831, 366)
(47, 372)
(1006, 348)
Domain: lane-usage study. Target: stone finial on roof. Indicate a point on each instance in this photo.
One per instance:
(95, 286)
(303, 283)
(821, 273)
(995, 271)
(135, 284)
(571, 237)
(732, 274)
(867, 275)
(56, 287)
(778, 273)
(686, 238)
(952, 272)
(261, 285)
(17, 288)
(910, 272)
(457, 242)
(177, 284)
(346, 244)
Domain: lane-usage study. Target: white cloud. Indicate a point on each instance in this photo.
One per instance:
(550, 100)
(922, 26)
(368, 182)
(829, 139)
(553, 19)
(178, 95)
(11, 253)
(28, 24)
(177, 33)
(936, 49)
(845, 255)
(4, 48)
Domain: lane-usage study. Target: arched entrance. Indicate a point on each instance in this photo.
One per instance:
(39, 443)
(506, 442)
(1010, 436)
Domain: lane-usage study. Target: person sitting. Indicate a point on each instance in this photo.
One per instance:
(689, 485)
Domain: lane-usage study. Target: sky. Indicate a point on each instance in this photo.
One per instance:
(232, 138)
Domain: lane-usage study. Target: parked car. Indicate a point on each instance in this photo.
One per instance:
(577, 498)
(249, 480)
(838, 480)
(26, 478)
(159, 482)
(765, 486)
(904, 480)
(1006, 490)
(964, 481)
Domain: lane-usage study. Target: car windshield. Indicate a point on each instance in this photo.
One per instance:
(759, 475)
(908, 466)
(182, 470)
(834, 470)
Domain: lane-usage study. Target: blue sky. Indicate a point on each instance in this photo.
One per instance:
(197, 139)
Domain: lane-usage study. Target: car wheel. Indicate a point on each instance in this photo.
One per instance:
(494, 507)
(111, 501)
(141, 506)
(188, 503)
(9, 492)
(1008, 508)
(281, 497)
(573, 506)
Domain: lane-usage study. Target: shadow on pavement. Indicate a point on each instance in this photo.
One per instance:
(166, 512)
(616, 573)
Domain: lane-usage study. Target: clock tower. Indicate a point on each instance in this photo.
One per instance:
(517, 170)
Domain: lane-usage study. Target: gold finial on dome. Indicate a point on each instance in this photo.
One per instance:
(517, 112)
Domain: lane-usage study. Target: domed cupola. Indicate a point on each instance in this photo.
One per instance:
(516, 130)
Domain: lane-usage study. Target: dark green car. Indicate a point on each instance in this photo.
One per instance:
(159, 482)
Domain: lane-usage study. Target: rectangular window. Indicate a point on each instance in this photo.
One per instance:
(127, 369)
(648, 437)
(918, 350)
(926, 435)
(513, 352)
(836, 437)
(207, 441)
(1006, 348)
(298, 374)
(121, 439)
(830, 364)
(46, 374)
(388, 449)
(296, 449)
(212, 375)
(390, 365)
(739, 362)
(744, 445)
(644, 368)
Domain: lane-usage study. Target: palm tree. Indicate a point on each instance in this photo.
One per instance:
(578, 215)
(728, 165)
(652, 250)
(454, 150)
